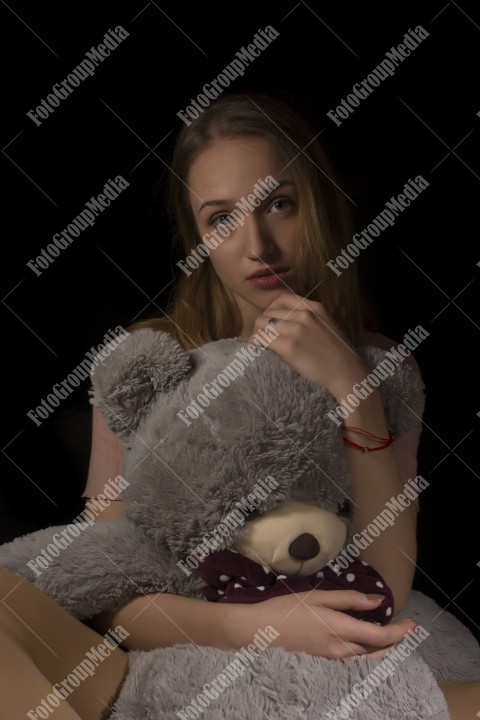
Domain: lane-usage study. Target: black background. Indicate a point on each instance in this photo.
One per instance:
(423, 120)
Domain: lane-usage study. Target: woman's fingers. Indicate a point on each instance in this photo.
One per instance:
(316, 622)
(379, 654)
(358, 636)
(289, 300)
(374, 636)
(339, 648)
(341, 644)
(352, 650)
(344, 599)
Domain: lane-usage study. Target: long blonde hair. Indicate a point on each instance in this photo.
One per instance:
(202, 309)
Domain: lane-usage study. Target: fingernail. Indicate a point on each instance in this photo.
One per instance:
(375, 598)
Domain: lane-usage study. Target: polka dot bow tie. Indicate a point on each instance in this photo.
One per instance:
(232, 577)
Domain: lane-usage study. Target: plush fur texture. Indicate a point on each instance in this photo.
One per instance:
(269, 421)
(277, 685)
(184, 478)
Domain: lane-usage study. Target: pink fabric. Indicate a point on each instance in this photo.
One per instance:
(107, 453)
(106, 456)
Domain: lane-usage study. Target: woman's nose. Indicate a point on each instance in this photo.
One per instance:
(257, 237)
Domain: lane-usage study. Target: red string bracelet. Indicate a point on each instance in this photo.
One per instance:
(386, 442)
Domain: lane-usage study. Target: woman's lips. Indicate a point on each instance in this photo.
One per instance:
(269, 281)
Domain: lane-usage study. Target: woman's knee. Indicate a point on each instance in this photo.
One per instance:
(11, 624)
(8, 582)
(11, 628)
(463, 698)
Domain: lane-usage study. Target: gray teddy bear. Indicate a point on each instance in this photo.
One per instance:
(220, 440)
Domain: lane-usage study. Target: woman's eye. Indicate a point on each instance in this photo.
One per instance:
(219, 219)
(281, 205)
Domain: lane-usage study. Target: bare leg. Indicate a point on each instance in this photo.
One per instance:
(40, 645)
(463, 699)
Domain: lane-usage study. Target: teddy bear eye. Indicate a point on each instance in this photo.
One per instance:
(254, 514)
(344, 508)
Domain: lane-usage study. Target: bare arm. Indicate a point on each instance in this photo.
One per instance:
(312, 343)
(163, 620)
(374, 479)
(106, 456)
(308, 622)
(106, 461)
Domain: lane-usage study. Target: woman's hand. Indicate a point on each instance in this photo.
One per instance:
(311, 342)
(313, 622)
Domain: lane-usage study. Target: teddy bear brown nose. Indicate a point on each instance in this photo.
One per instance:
(304, 547)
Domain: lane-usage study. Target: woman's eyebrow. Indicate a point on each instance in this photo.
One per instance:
(214, 203)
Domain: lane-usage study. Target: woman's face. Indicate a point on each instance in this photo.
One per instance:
(225, 173)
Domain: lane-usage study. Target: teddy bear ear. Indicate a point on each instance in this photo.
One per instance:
(124, 384)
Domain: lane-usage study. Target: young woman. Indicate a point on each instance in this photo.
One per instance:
(273, 264)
